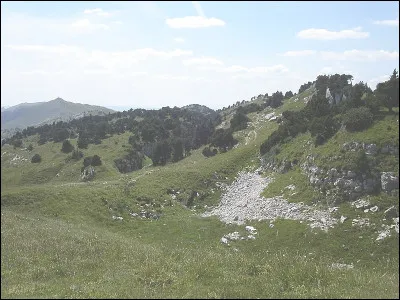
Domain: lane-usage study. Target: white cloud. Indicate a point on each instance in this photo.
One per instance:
(97, 11)
(199, 21)
(194, 22)
(388, 22)
(171, 77)
(235, 68)
(85, 26)
(324, 34)
(263, 72)
(215, 65)
(125, 59)
(360, 55)
(35, 72)
(113, 60)
(299, 53)
(272, 69)
(257, 70)
(179, 40)
(202, 61)
(60, 49)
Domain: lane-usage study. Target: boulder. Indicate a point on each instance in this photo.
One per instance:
(88, 173)
(374, 208)
(251, 229)
(389, 181)
(224, 240)
(370, 149)
(232, 236)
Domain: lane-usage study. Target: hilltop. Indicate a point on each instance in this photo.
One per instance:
(34, 114)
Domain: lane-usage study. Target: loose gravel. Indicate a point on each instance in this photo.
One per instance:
(242, 202)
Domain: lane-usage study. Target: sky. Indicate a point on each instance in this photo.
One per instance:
(132, 54)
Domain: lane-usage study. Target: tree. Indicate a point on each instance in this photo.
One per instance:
(276, 99)
(288, 94)
(372, 103)
(76, 154)
(87, 161)
(17, 143)
(239, 121)
(30, 147)
(101, 130)
(305, 86)
(357, 93)
(161, 153)
(82, 142)
(177, 147)
(388, 92)
(223, 139)
(60, 134)
(42, 139)
(96, 161)
(67, 146)
(36, 158)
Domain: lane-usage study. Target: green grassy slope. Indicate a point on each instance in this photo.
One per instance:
(59, 239)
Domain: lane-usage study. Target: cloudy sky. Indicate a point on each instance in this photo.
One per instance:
(154, 54)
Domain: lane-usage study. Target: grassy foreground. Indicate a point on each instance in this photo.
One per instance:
(180, 256)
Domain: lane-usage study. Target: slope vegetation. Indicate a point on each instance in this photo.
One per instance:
(143, 234)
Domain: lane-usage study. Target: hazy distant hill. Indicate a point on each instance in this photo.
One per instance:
(31, 114)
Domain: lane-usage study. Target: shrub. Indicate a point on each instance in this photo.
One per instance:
(239, 121)
(319, 139)
(207, 152)
(36, 158)
(17, 143)
(361, 163)
(67, 147)
(82, 143)
(87, 161)
(372, 103)
(42, 140)
(96, 161)
(274, 139)
(60, 134)
(357, 119)
(30, 147)
(323, 128)
(223, 139)
(76, 154)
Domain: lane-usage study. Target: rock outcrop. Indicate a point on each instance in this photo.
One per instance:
(389, 182)
(88, 173)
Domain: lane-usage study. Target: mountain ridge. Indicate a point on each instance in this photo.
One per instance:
(26, 114)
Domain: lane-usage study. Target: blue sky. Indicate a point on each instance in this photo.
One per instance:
(154, 54)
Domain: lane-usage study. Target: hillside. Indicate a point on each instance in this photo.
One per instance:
(245, 221)
(33, 114)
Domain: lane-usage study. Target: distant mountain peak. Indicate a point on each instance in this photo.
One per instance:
(39, 113)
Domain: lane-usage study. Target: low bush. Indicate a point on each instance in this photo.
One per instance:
(36, 158)
(357, 119)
